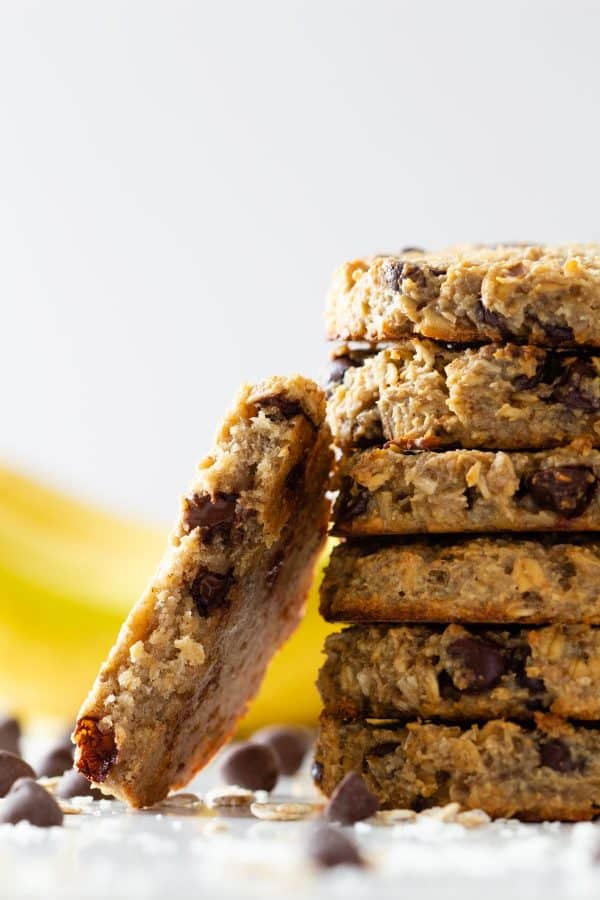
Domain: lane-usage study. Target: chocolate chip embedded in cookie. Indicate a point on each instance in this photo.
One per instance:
(229, 591)
(549, 771)
(549, 296)
(422, 395)
(388, 492)
(457, 673)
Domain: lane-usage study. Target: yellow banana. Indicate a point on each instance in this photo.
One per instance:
(68, 575)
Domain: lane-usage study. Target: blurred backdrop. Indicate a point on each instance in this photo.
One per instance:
(178, 179)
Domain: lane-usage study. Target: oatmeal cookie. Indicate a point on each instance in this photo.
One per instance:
(457, 673)
(498, 579)
(525, 293)
(385, 491)
(550, 771)
(229, 591)
(419, 394)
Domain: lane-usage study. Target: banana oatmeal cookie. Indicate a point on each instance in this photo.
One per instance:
(497, 579)
(419, 394)
(550, 771)
(528, 294)
(229, 591)
(385, 491)
(457, 673)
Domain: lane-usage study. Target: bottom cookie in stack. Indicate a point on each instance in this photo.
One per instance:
(513, 709)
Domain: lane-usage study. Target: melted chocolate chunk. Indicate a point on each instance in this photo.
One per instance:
(209, 513)
(351, 503)
(283, 406)
(337, 369)
(484, 660)
(383, 749)
(470, 496)
(414, 273)
(547, 372)
(392, 274)
(558, 334)
(556, 755)
(566, 490)
(571, 389)
(494, 320)
(351, 801)
(209, 590)
(97, 750)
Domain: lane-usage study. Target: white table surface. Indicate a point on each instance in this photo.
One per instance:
(111, 853)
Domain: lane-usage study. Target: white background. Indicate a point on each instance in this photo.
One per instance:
(177, 181)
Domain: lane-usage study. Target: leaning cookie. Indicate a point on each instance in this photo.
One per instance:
(456, 673)
(550, 771)
(423, 395)
(389, 492)
(529, 294)
(229, 591)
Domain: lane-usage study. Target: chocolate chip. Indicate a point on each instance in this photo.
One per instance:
(30, 802)
(74, 784)
(392, 274)
(571, 388)
(337, 369)
(351, 801)
(482, 659)
(470, 496)
(329, 847)
(251, 766)
(383, 749)
(97, 749)
(209, 590)
(283, 405)
(556, 755)
(289, 743)
(56, 761)
(12, 767)
(10, 734)
(548, 370)
(353, 501)
(558, 334)
(209, 513)
(414, 273)
(412, 250)
(494, 320)
(566, 490)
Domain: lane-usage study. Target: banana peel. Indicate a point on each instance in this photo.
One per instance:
(69, 574)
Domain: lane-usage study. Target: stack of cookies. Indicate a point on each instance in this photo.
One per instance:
(466, 409)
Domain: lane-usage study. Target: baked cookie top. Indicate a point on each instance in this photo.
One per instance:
(546, 295)
(229, 590)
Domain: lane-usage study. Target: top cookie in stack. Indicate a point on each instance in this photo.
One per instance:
(465, 402)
